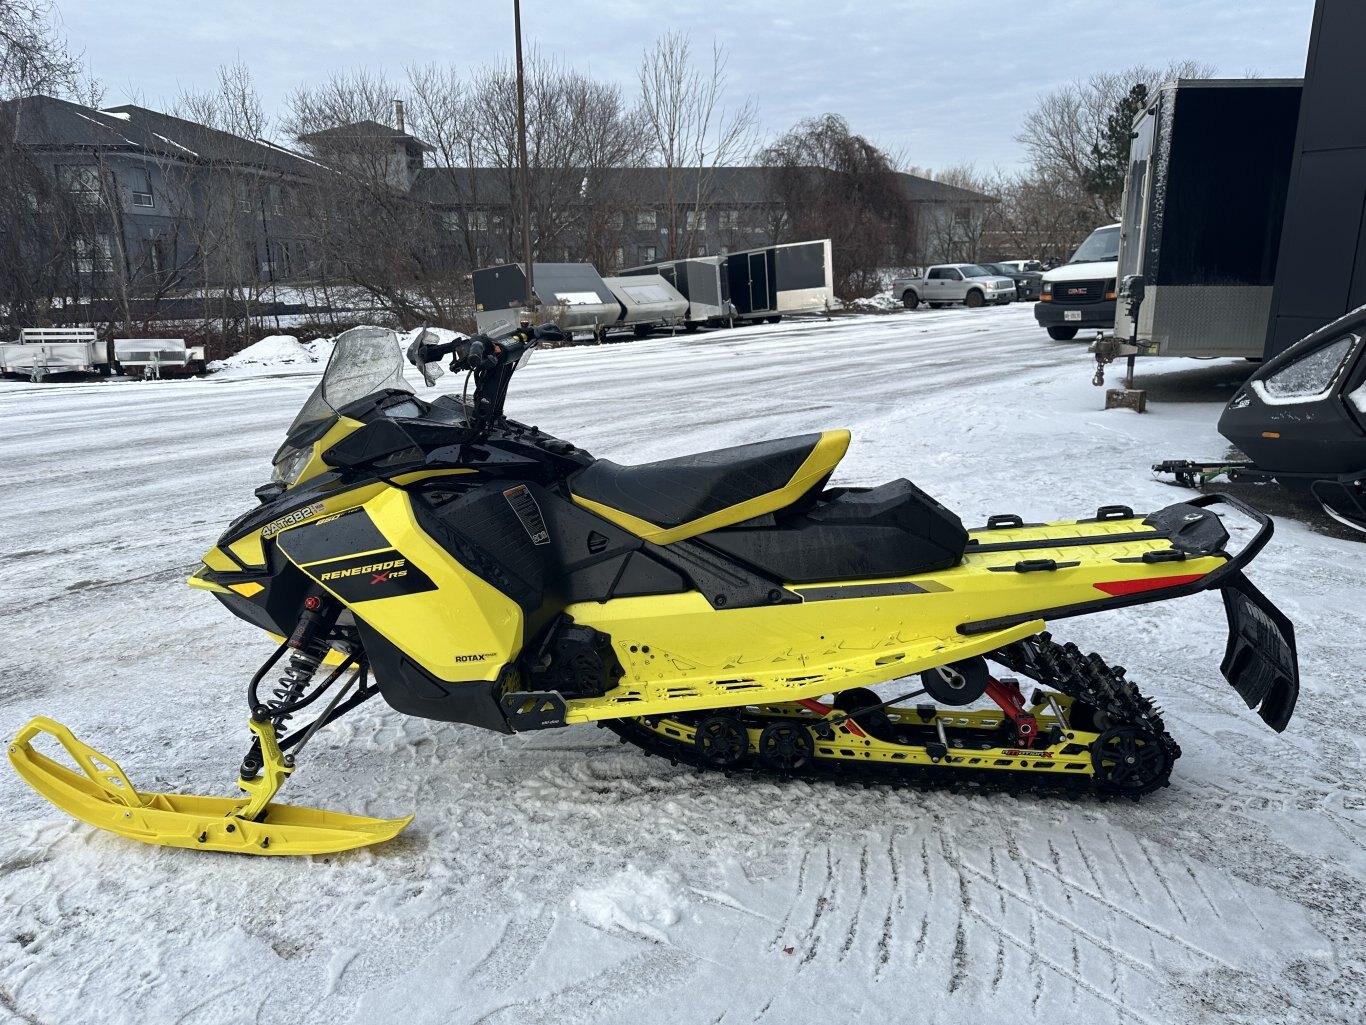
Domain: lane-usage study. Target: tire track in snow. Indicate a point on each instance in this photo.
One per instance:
(1133, 916)
(1077, 980)
(518, 946)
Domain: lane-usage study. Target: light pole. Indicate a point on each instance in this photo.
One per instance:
(521, 155)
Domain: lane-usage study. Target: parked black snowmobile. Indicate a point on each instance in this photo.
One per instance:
(728, 610)
(1301, 421)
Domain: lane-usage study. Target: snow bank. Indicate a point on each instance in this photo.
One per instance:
(272, 350)
(883, 302)
(632, 901)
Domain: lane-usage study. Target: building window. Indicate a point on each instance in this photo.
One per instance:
(697, 220)
(700, 251)
(243, 190)
(479, 220)
(81, 181)
(154, 256)
(645, 221)
(620, 260)
(648, 254)
(142, 187)
(277, 199)
(450, 220)
(94, 255)
(728, 220)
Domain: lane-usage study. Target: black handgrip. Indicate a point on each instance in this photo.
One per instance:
(1114, 512)
(1004, 520)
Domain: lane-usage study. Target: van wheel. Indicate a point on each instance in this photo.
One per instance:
(910, 300)
(1062, 334)
(973, 299)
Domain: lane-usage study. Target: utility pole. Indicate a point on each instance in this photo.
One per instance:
(521, 152)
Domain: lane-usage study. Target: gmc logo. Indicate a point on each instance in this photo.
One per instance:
(1076, 291)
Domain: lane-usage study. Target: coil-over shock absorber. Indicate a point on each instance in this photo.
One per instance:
(307, 647)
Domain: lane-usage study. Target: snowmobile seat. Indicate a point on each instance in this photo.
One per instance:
(893, 530)
(679, 498)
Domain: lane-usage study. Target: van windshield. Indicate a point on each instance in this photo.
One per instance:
(1101, 247)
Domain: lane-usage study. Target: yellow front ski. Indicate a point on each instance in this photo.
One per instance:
(102, 795)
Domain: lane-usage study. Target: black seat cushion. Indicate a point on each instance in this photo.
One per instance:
(672, 492)
(893, 530)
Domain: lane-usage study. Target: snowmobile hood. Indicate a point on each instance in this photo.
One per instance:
(1305, 410)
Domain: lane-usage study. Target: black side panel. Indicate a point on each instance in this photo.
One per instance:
(800, 266)
(410, 689)
(888, 531)
(349, 534)
(499, 288)
(480, 527)
(676, 491)
(1321, 272)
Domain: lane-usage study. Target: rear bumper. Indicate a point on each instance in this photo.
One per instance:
(1093, 315)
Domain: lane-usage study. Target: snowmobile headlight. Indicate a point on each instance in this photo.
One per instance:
(1310, 377)
(287, 469)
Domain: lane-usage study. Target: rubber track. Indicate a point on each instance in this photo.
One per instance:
(1061, 667)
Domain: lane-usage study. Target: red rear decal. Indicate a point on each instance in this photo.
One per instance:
(1118, 587)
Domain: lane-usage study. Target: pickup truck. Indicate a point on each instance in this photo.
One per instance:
(946, 283)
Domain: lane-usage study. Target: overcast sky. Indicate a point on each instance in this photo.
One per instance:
(942, 81)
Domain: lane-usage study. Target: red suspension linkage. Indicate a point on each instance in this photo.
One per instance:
(1006, 693)
(812, 705)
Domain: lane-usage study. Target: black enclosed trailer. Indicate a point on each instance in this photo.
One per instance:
(767, 283)
(573, 294)
(1203, 206)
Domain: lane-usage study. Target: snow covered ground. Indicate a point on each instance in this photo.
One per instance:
(559, 877)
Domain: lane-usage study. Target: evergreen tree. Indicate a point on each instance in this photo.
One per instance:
(1110, 153)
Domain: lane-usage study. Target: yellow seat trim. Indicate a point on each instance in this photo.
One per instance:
(823, 458)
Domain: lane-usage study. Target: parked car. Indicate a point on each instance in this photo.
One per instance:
(945, 283)
(1030, 265)
(1027, 282)
(1081, 293)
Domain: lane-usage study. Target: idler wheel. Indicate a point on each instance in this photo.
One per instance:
(1131, 760)
(958, 683)
(722, 741)
(786, 746)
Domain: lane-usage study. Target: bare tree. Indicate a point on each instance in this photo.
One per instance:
(690, 127)
(832, 183)
(1063, 132)
(33, 58)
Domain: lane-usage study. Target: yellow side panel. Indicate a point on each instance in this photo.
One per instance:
(466, 629)
(249, 549)
(216, 560)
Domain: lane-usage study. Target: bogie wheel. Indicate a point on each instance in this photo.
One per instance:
(722, 741)
(910, 300)
(786, 746)
(1062, 334)
(1131, 761)
(876, 723)
(973, 299)
(958, 683)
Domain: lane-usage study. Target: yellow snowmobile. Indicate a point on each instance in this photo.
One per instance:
(727, 610)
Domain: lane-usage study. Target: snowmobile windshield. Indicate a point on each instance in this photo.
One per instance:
(364, 360)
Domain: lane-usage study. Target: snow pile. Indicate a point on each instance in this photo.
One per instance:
(632, 901)
(883, 302)
(272, 350)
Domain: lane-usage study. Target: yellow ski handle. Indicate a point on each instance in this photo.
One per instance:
(103, 771)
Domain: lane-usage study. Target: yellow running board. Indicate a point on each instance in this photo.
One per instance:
(101, 795)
